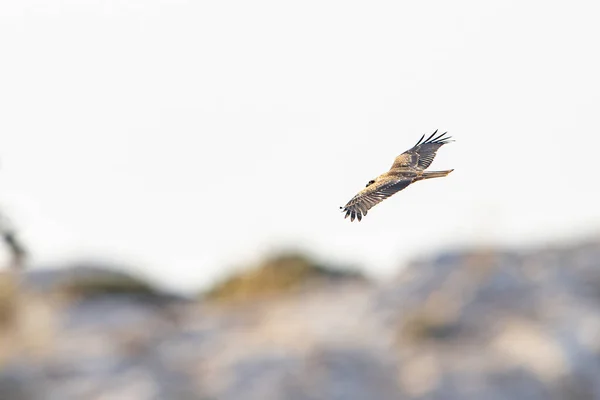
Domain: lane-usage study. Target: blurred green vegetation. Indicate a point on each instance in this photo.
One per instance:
(8, 298)
(279, 274)
(107, 285)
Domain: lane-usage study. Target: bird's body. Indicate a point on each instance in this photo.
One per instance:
(408, 167)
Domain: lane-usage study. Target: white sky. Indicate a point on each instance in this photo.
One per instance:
(185, 138)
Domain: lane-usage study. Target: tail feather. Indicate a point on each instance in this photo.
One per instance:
(434, 174)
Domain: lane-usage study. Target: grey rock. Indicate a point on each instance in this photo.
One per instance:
(461, 325)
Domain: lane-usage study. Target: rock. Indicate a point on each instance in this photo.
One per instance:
(469, 324)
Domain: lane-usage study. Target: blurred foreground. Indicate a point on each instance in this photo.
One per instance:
(464, 325)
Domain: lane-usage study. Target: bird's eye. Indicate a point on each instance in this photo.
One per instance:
(370, 182)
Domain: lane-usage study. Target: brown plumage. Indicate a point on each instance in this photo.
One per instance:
(408, 167)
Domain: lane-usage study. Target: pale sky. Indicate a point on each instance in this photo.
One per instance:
(187, 138)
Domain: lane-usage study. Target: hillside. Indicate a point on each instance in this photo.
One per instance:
(470, 324)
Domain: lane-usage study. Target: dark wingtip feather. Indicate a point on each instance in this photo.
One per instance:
(420, 140)
(441, 139)
(432, 135)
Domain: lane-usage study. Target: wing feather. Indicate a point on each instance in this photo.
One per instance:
(372, 195)
(421, 155)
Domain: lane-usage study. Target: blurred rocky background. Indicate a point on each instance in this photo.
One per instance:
(467, 324)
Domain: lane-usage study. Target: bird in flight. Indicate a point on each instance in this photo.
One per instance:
(408, 167)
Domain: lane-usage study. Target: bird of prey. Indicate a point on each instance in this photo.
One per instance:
(408, 167)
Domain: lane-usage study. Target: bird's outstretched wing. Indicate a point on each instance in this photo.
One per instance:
(373, 195)
(421, 155)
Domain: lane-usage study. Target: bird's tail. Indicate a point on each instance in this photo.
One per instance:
(434, 174)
